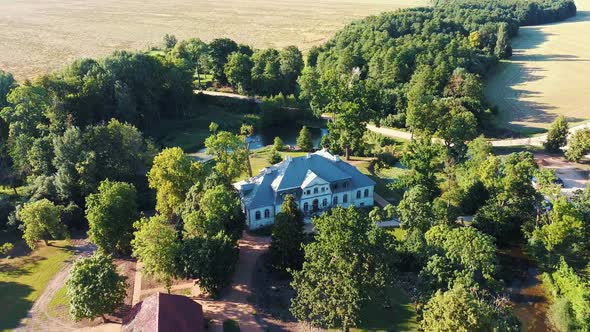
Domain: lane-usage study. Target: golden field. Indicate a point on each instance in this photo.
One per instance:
(548, 75)
(39, 36)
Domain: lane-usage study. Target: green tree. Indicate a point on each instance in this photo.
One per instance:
(95, 288)
(209, 259)
(278, 144)
(156, 246)
(286, 249)
(172, 175)
(230, 155)
(222, 207)
(579, 145)
(348, 261)
(41, 221)
(219, 50)
(266, 72)
(462, 310)
(304, 140)
(503, 50)
(291, 65)
(415, 210)
(238, 71)
(459, 256)
(111, 213)
(7, 83)
(557, 135)
(274, 157)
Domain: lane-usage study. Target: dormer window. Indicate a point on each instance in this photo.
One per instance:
(344, 184)
(315, 190)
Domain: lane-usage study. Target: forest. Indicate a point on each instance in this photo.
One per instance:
(78, 141)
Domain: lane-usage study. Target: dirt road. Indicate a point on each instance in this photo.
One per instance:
(38, 318)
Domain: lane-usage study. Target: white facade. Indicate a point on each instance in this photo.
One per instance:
(319, 182)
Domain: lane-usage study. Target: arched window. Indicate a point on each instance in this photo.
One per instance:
(358, 194)
(257, 215)
(315, 190)
(345, 198)
(366, 192)
(335, 200)
(325, 202)
(266, 213)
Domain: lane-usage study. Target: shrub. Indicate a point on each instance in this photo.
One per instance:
(230, 325)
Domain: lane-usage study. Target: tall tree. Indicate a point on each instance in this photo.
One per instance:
(230, 154)
(156, 246)
(95, 288)
(238, 71)
(304, 141)
(286, 249)
(209, 259)
(579, 145)
(219, 50)
(415, 210)
(291, 65)
(111, 213)
(348, 261)
(41, 221)
(557, 135)
(172, 175)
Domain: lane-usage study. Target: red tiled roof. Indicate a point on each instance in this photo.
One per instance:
(165, 312)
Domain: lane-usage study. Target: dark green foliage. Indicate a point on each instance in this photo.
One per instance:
(111, 213)
(350, 257)
(230, 325)
(209, 259)
(219, 50)
(94, 288)
(557, 135)
(286, 249)
(304, 141)
(274, 157)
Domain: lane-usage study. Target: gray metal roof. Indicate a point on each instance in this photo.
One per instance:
(291, 173)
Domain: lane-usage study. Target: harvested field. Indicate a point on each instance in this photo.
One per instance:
(548, 76)
(42, 36)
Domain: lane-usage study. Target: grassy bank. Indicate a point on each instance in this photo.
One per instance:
(23, 279)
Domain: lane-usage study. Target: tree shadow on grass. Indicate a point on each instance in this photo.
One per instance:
(395, 313)
(22, 268)
(13, 304)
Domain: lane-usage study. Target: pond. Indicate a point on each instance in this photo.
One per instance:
(287, 133)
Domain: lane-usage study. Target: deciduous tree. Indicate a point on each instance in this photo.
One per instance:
(286, 249)
(172, 175)
(42, 221)
(156, 246)
(95, 288)
(111, 213)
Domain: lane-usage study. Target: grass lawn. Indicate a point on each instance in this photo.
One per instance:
(22, 279)
(398, 315)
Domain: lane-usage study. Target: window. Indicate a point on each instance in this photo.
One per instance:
(344, 184)
(336, 186)
(358, 194)
(362, 204)
(315, 190)
(335, 200)
(266, 213)
(257, 215)
(308, 192)
(305, 206)
(323, 189)
(366, 192)
(345, 198)
(325, 202)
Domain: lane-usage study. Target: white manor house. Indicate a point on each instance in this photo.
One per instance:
(318, 181)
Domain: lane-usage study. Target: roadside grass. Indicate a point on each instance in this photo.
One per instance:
(59, 306)
(23, 279)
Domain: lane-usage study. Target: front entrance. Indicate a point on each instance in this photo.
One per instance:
(314, 205)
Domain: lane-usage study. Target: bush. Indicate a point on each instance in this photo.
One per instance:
(230, 325)
(560, 315)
